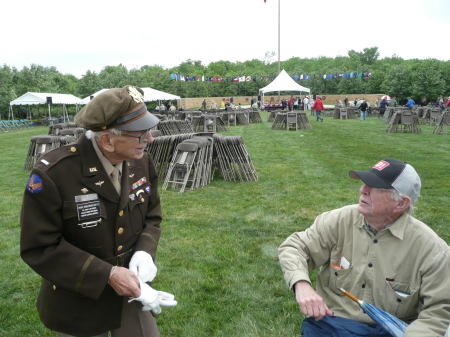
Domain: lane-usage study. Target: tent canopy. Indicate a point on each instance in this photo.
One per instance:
(88, 98)
(33, 98)
(150, 94)
(283, 82)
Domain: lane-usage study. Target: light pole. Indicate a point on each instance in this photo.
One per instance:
(279, 99)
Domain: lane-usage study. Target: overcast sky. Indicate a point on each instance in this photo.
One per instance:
(77, 36)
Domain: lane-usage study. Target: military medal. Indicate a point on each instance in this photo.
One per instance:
(138, 183)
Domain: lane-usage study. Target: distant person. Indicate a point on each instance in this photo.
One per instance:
(318, 107)
(204, 104)
(423, 102)
(410, 103)
(363, 110)
(306, 103)
(393, 103)
(346, 101)
(383, 104)
(338, 104)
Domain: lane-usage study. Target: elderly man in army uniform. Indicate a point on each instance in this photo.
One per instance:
(90, 222)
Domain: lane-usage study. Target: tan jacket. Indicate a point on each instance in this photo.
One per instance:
(71, 241)
(406, 257)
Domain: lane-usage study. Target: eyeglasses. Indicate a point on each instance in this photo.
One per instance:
(141, 137)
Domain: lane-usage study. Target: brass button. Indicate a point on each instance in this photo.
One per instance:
(120, 213)
(119, 248)
(142, 199)
(120, 231)
(54, 287)
(73, 149)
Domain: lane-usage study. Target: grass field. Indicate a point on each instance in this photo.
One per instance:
(218, 251)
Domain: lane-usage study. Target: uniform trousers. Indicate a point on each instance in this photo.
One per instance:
(135, 322)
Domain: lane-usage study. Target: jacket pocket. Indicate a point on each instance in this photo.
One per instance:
(401, 300)
(85, 232)
(340, 278)
(138, 208)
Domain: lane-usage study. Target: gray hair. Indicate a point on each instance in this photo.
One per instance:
(397, 196)
(96, 134)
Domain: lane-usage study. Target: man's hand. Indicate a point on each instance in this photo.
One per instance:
(125, 282)
(310, 302)
(143, 266)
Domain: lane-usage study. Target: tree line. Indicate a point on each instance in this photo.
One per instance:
(395, 76)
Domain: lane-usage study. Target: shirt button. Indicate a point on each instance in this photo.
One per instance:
(120, 213)
(119, 248)
(335, 273)
(142, 199)
(375, 241)
(73, 149)
(370, 265)
(54, 287)
(120, 231)
(399, 300)
(363, 285)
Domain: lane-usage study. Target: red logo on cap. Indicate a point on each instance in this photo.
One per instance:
(381, 165)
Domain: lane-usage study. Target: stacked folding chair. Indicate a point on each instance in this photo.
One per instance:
(255, 117)
(55, 129)
(40, 145)
(191, 163)
(242, 117)
(174, 127)
(303, 121)
(442, 123)
(394, 122)
(232, 159)
(273, 114)
(283, 119)
(162, 149)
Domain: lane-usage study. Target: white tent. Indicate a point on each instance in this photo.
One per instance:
(88, 98)
(151, 94)
(283, 82)
(34, 98)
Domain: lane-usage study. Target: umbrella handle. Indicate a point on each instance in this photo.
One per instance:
(346, 293)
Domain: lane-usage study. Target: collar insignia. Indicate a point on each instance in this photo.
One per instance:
(84, 190)
(99, 183)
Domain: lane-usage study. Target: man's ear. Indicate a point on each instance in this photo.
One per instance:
(403, 205)
(106, 142)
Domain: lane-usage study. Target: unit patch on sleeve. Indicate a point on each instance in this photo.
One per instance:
(34, 184)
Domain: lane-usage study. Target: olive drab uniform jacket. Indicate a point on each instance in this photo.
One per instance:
(75, 226)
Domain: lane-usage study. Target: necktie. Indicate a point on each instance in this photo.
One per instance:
(115, 179)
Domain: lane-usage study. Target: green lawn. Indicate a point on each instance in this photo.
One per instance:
(218, 250)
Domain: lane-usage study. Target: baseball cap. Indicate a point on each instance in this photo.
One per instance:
(120, 108)
(391, 173)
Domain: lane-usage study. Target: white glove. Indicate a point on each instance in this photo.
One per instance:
(142, 265)
(152, 299)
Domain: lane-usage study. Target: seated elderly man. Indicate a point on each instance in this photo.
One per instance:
(377, 251)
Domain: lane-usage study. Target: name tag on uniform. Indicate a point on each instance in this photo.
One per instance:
(88, 210)
(86, 197)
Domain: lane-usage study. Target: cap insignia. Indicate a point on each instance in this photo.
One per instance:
(137, 96)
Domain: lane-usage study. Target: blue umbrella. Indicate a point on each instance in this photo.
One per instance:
(391, 324)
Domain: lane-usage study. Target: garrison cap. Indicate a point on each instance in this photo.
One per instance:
(123, 109)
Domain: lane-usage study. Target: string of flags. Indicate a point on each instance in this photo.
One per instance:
(177, 77)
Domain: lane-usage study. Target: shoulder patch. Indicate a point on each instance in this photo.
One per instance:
(34, 183)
